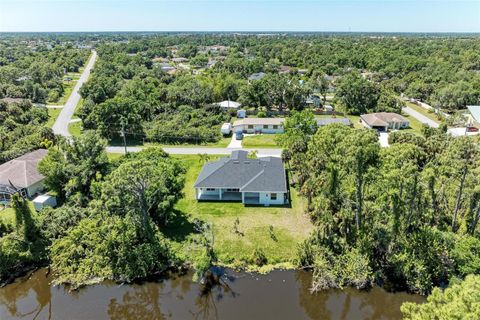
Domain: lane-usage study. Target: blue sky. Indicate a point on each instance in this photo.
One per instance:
(240, 15)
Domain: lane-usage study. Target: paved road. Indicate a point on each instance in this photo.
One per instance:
(420, 117)
(61, 124)
(201, 150)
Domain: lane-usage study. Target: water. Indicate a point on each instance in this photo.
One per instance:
(277, 295)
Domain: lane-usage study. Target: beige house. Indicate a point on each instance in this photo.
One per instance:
(259, 125)
(21, 174)
(383, 121)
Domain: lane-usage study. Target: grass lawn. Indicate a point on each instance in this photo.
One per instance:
(260, 141)
(7, 216)
(290, 226)
(415, 125)
(355, 121)
(75, 128)
(429, 114)
(53, 115)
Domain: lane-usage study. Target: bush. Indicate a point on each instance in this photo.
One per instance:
(258, 257)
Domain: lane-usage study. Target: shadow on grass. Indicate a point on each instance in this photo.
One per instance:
(178, 227)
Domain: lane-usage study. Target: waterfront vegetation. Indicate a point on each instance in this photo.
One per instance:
(406, 216)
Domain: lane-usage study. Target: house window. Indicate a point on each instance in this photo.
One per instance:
(265, 126)
(210, 189)
(275, 126)
(250, 126)
(273, 196)
(233, 190)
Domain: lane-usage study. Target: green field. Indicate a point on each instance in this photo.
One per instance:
(53, 115)
(290, 226)
(75, 128)
(415, 125)
(260, 141)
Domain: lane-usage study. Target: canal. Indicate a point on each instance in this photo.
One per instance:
(277, 295)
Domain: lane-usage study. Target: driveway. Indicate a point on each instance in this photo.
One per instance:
(61, 124)
(420, 117)
(202, 150)
(234, 143)
(383, 138)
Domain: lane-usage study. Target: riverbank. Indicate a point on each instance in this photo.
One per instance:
(277, 295)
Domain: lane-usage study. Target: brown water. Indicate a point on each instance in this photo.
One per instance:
(278, 295)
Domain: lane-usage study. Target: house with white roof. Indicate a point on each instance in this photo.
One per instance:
(259, 125)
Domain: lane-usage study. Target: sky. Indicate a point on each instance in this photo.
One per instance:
(240, 15)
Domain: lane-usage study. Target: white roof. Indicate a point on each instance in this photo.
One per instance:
(42, 198)
(226, 125)
(229, 104)
(475, 111)
(259, 121)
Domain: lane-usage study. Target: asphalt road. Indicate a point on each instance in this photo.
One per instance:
(202, 150)
(420, 117)
(61, 124)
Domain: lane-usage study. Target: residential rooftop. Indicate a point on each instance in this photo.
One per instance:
(240, 172)
(22, 172)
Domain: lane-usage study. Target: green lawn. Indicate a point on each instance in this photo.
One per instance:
(355, 121)
(260, 141)
(7, 216)
(290, 226)
(53, 115)
(415, 125)
(75, 128)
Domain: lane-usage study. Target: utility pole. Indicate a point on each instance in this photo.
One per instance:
(122, 133)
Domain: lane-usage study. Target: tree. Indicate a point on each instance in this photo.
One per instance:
(356, 95)
(144, 189)
(320, 83)
(71, 167)
(459, 301)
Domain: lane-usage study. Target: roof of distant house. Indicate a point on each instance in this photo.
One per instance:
(259, 121)
(12, 100)
(240, 172)
(229, 104)
(257, 76)
(180, 59)
(22, 172)
(475, 112)
(382, 118)
(326, 121)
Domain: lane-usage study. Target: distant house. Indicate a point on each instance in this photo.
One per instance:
(179, 60)
(474, 116)
(257, 76)
(259, 125)
(326, 121)
(21, 174)
(228, 104)
(239, 178)
(383, 121)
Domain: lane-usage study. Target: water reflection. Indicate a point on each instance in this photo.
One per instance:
(13, 296)
(278, 295)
